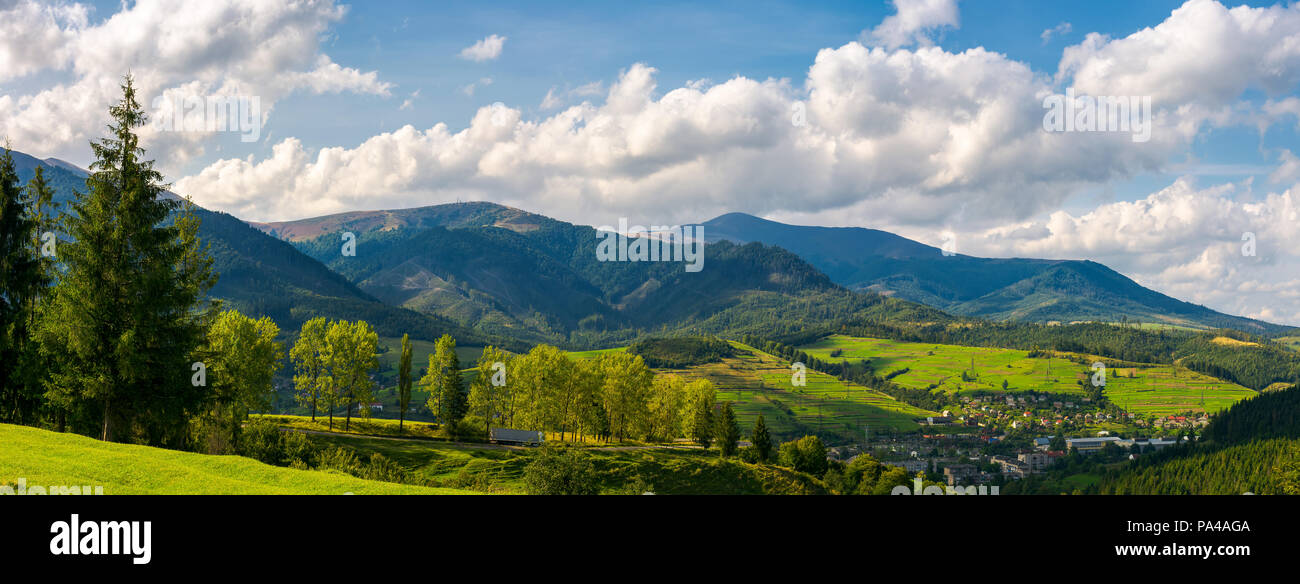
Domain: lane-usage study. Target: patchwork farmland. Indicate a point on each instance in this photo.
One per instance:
(756, 382)
(1153, 390)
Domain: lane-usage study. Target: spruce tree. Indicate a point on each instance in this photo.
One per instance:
(702, 427)
(762, 440)
(728, 431)
(404, 382)
(21, 278)
(452, 401)
(129, 310)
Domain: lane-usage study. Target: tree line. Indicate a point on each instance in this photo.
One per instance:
(105, 324)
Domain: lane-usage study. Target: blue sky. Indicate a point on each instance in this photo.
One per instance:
(569, 44)
(414, 46)
(922, 117)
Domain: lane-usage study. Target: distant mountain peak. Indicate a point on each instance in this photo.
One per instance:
(996, 288)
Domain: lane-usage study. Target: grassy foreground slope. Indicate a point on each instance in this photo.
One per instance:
(500, 469)
(51, 458)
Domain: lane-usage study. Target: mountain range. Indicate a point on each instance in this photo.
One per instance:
(263, 275)
(491, 273)
(1032, 290)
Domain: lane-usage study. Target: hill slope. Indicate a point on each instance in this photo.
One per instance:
(513, 273)
(261, 275)
(47, 458)
(1009, 288)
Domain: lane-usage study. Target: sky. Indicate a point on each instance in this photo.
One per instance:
(921, 117)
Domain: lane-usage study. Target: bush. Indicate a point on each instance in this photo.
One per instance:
(560, 473)
(680, 352)
(469, 428)
(340, 460)
(263, 440)
(298, 449)
(806, 454)
(382, 468)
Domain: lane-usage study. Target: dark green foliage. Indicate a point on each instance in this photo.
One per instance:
(22, 281)
(1250, 447)
(703, 427)
(681, 352)
(806, 454)
(865, 475)
(761, 440)
(128, 311)
(556, 472)
(404, 381)
(263, 440)
(728, 430)
(1274, 414)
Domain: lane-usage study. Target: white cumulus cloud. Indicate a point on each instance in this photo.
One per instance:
(485, 50)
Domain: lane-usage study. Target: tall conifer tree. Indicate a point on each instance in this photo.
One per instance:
(129, 310)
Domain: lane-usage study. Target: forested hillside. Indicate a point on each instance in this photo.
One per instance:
(1253, 447)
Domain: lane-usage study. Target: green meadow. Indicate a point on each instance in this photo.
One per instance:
(758, 383)
(1155, 390)
(365, 426)
(500, 469)
(1292, 343)
(939, 367)
(391, 355)
(1165, 390)
(49, 458)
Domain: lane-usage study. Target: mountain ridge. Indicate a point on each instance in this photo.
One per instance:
(1025, 289)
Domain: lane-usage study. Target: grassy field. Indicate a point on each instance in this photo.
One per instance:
(372, 426)
(939, 367)
(1165, 390)
(50, 458)
(1292, 343)
(756, 382)
(500, 469)
(420, 351)
(1158, 390)
(595, 353)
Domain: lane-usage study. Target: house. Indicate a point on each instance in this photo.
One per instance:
(1090, 445)
(1011, 467)
(959, 472)
(911, 466)
(376, 406)
(1036, 461)
(511, 436)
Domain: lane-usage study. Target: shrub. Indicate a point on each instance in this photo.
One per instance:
(560, 473)
(262, 440)
(340, 460)
(806, 454)
(382, 468)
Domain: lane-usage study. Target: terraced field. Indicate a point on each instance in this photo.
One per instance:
(420, 351)
(756, 382)
(939, 367)
(1155, 390)
(1164, 390)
